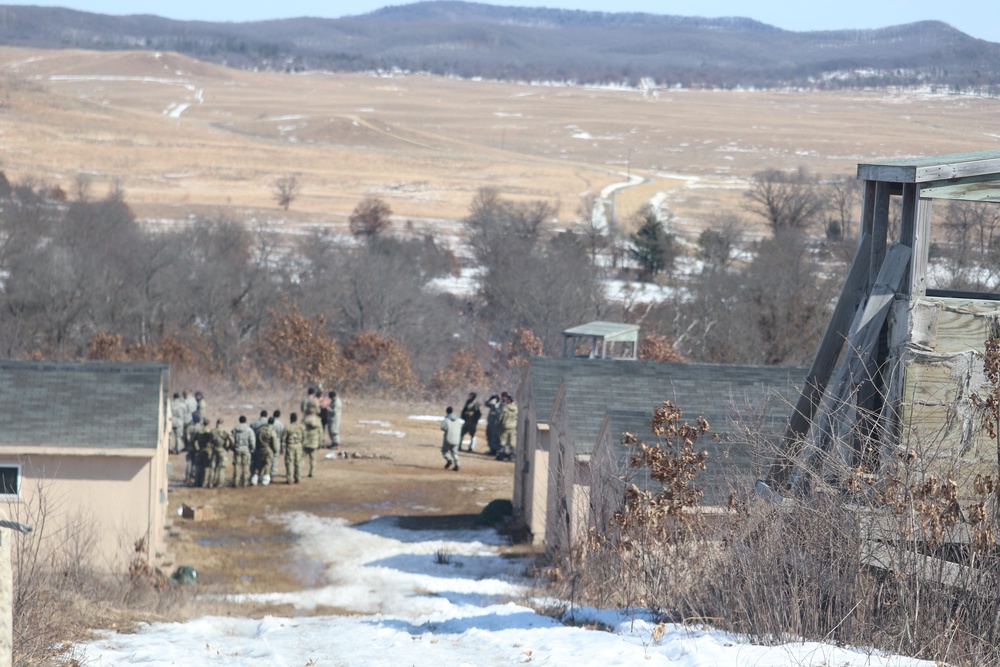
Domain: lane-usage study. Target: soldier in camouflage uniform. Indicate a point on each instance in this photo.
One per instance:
(222, 441)
(267, 449)
(191, 430)
(201, 445)
(313, 426)
(244, 443)
(279, 431)
(292, 442)
(333, 421)
(177, 410)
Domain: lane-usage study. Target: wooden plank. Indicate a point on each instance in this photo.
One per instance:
(926, 568)
(933, 168)
(865, 334)
(837, 331)
(880, 228)
(983, 191)
(921, 249)
(868, 208)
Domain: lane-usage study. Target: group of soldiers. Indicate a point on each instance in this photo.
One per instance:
(255, 446)
(501, 426)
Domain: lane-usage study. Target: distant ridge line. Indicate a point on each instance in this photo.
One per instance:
(465, 39)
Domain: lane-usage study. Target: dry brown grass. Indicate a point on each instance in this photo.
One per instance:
(426, 144)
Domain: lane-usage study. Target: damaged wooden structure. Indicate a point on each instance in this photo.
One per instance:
(900, 373)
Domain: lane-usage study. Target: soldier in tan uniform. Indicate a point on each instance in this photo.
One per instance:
(313, 426)
(292, 442)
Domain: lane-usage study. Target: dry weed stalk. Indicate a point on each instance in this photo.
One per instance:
(649, 554)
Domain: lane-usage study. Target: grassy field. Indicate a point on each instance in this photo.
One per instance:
(186, 138)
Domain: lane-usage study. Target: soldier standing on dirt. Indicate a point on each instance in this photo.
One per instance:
(202, 442)
(191, 471)
(260, 421)
(508, 428)
(177, 411)
(313, 438)
(470, 420)
(292, 442)
(279, 433)
(222, 441)
(190, 407)
(310, 401)
(267, 448)
(244, 443)
(333, 425)
(451, 439)
(493, 424)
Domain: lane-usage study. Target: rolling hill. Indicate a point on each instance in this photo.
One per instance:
(519, 44)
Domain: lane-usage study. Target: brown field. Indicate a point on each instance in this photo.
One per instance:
(189, 138)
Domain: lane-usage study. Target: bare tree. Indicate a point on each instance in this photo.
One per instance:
(286, 190)
(370, 218)
(786, 201)
(595, 227)
(717, 242)
(843, 197)
(973, 255)
(82, 184)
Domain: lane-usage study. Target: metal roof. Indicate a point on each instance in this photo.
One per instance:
(81, 404)
(609, 331)
(594, 388)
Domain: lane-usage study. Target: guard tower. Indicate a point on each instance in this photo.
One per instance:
(900, 370)
(602, 340)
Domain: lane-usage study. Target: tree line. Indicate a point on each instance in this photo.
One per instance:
(83, 278)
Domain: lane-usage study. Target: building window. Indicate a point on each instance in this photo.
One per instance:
(10, 480)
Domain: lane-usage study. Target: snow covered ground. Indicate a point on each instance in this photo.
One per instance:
(432, 598)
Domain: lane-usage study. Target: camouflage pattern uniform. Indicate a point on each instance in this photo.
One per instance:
(222, 441)
(279, 431)
(267, 449)
(333, 423)
(313, 437)
(177, 411)
(244, 442)
(508, 431)
(292, 442)
(201, 438)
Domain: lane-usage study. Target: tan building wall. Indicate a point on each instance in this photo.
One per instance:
(99, 505)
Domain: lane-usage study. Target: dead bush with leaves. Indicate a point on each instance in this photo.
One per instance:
(298, 350)
(900, 560)
(653, 548)
(655, 347)
(463, 372)
(378, 366)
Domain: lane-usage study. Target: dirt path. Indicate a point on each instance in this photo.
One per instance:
(398, 472)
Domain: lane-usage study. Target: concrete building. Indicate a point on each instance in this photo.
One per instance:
(83, 455)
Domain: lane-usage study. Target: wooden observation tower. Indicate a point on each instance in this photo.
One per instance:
(901, 371)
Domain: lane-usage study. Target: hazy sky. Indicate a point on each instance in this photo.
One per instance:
(970, 16)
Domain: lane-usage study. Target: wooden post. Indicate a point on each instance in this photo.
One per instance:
(851, 297)
(6, 598)
(880, 230)
(7, 529)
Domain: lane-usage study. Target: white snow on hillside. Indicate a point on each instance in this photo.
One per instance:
(436, 597)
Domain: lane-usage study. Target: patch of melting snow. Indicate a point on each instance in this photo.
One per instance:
(374, 422)
(425, 418)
